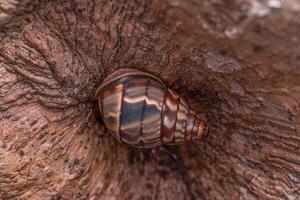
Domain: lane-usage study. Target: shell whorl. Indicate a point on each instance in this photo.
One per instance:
(140, 111)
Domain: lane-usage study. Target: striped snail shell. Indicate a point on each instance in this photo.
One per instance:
(139, 110)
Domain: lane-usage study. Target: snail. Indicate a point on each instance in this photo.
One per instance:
(140, 111)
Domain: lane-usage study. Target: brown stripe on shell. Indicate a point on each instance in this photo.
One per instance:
(195, 128)
(152, 117)
(190, 125)
(200, 131)
(203, 132)
(111, 102)
(125, 73)
(169, 117)
(132, 112)
(181, 122)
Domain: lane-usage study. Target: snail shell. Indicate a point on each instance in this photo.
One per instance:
(139, 110)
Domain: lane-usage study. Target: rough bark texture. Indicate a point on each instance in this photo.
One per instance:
(237, 62)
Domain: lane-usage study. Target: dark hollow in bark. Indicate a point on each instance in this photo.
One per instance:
(237, 62)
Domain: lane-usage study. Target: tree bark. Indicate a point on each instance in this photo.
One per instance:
(237, 62)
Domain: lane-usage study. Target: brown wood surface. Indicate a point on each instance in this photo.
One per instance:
(237, 62)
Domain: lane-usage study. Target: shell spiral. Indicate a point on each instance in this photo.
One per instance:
(139, 110)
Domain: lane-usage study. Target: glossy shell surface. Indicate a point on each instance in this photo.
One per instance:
(140, 111)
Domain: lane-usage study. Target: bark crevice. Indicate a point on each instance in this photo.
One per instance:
(237, 68)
